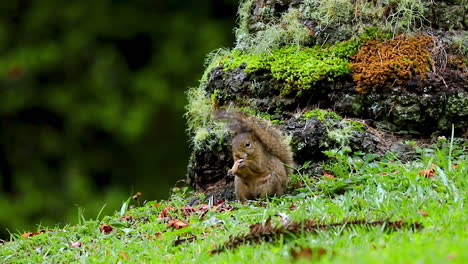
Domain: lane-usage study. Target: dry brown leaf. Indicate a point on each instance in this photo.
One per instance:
(177, 224)
(292, 207)
(427, 173)
(165, 212)
(28, 234)
(328, 175)
(126, 218)
(124, 255)
(308, 253)
(423, 213)
(106, 228)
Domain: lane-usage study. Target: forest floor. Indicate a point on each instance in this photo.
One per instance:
(361, 209)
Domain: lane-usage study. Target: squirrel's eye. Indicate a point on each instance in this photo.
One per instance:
(247, 144)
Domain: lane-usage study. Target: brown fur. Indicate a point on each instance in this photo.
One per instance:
(260, 154)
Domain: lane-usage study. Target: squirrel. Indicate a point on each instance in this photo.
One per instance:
(262, 158)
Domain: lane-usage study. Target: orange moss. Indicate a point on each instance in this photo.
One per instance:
(391, 61)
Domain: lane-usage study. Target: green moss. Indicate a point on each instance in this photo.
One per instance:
(299, 68)
(461, 45)
(302, 67)
(321, 115)
(274, 119)
(339, 130)
(214, 96)
(458, 104)
(356, 125)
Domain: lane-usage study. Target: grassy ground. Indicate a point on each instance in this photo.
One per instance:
(430, 190)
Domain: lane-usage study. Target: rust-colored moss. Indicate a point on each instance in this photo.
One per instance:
(392, 61)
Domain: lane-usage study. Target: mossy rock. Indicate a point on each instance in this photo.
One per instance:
(295, 58)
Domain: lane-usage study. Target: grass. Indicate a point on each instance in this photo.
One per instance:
(430, 189)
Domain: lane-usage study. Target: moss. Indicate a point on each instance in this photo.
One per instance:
(274, 119)
(339, 130)
(321, 115)
(214, 97)
(458, 104)
(461, 47)
(200, 105)
(198, 109)
(392, 61)
(300, 68)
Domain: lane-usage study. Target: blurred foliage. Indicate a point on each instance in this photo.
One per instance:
(92, 98)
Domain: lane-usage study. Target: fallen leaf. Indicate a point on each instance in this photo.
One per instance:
(106, 228)
(396, 172)
(28, 234)
(427, 173)
(219, 202)
(292, 207)
(301, 253)
(124, 255)
(158, 234)
(177, 224)
(451, 256)
(308, 253)
(126, 218)
(75, 244)
(378, 246)
(165, 212)
(423, 213)
(455, 166)
(224, 207)
(187, 211)
(328, 175)
(203, 207)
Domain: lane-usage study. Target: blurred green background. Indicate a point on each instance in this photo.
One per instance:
(92, 101)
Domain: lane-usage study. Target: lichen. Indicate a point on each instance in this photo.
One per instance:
(339, 130)
(287, 30)
(324, 21)
(199, 109)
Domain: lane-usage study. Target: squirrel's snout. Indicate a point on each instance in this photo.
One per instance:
(238, 164)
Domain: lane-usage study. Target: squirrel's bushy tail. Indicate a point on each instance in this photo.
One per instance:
(270, 137)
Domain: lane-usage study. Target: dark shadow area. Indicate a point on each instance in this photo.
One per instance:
(92, 102)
